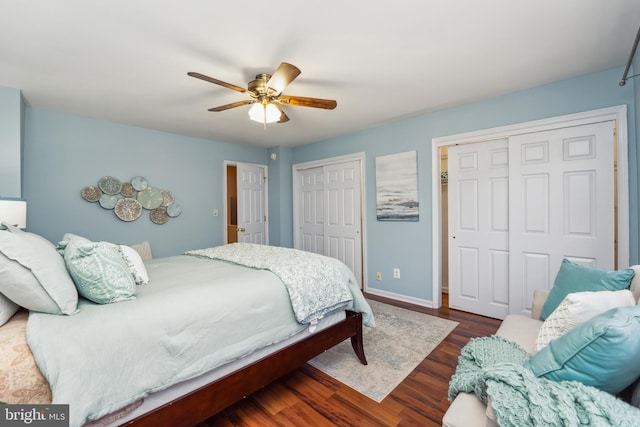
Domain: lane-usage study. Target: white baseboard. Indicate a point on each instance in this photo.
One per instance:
(399, 297)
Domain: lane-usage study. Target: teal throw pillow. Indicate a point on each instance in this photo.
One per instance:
(576, 278)
(68, 238)
(602, 352)
(99, 272)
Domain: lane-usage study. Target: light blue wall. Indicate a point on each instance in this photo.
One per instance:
(407, 245)
(11, 113)
(280, 194)
(64, 153)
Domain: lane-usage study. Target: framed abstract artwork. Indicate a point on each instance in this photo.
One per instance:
(397, 187)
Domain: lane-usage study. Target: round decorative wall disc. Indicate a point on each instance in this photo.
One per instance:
(108, 201)
(128, 209)
(167, 198)
(110, 185)
(139, 183)
(173, 210)
(128, 190)
(159, 215)
(150, 198)
(91, 193)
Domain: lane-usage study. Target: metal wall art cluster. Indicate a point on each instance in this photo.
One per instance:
(128, 199)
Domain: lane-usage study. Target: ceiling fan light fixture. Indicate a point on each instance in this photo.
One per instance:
(265, 92)
(264, 113)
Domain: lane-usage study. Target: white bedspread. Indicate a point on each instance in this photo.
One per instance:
(195, 314)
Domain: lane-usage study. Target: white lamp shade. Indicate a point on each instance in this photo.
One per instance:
(264, 113)
(13, 212)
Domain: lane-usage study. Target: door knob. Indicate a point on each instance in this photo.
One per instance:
(241, 229)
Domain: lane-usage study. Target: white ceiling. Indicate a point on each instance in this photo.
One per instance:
(127, 60)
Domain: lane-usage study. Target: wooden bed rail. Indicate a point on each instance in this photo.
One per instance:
(200, 404)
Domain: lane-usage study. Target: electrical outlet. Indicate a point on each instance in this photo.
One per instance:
(396, 273)
(378, 276)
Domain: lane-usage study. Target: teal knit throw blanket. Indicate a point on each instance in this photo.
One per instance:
(492, 367)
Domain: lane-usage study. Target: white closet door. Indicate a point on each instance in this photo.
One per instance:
(479, 228)
(251, 204)
(311, 210)
(342, 234)
(561, 202)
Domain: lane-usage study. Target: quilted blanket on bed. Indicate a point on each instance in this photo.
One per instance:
(316, 284)
(491, 367)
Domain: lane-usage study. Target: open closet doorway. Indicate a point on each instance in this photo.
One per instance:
(444, 182)
(245, 218)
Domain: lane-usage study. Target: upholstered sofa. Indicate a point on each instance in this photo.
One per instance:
(467, 410)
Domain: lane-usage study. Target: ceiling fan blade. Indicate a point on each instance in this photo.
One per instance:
(283, 115)
(282, 77)
(301, 101)
(216, 81)
(232, 105)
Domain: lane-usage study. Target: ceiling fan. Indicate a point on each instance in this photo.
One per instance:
(266, 95)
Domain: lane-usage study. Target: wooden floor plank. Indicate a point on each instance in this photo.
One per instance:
(309, 397)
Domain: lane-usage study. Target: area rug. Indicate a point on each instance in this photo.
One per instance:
(399, 342)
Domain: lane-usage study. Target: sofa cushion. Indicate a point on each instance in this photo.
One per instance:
(466, 410)
(576, 278)
(602, 352)
(577, 308)
(520, 329)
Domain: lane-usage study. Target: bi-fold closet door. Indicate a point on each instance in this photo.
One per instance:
(328, 211)
(519, 205)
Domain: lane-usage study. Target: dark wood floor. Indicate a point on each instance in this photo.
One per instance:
(308, 397)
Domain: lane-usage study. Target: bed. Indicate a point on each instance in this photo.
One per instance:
(244, 327)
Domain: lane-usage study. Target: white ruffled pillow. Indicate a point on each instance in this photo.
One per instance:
(577, 308)
(135, 263)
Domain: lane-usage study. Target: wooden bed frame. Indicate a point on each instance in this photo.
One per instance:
(200, 404)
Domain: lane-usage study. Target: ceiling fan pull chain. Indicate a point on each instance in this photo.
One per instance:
(264, 116)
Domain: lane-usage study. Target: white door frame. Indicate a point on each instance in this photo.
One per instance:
(617, 113)
(363, 213)
(225, 198)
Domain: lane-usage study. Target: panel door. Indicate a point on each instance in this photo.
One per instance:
(562, 205)
(342, 215)
(311, 210)
(251, 204)
(478, 222)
